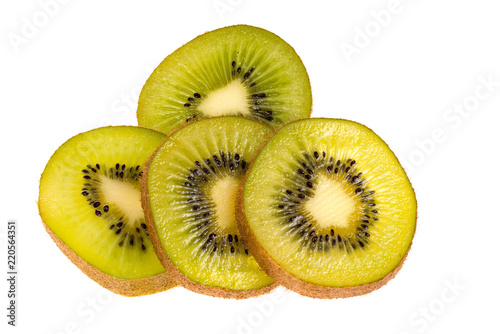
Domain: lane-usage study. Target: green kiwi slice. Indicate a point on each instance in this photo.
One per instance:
(236, 70)
(189, 190)
(326, 209)
(90, 203)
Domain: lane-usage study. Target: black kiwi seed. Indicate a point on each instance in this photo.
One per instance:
(197, 95)
(143, 226)
(221, 164)
(233, 64)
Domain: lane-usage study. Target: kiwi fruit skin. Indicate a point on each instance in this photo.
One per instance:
(126, 287)
(282, 276)
(170, 267)
(156, 85)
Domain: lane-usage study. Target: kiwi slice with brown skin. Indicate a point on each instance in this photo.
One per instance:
(237, 70)
(188, 194)
(90, 205)
(326, 209)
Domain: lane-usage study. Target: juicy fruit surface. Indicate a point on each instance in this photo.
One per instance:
(192, 181)
(336, 209)
(237, 70)
(90, 199)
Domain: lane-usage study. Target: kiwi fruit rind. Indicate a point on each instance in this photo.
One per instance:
(90, 204)
(188, 194)
(237, 70)
(326, 209)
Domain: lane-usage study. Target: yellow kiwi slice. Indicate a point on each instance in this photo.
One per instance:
(189, 189)
(326, 209)
(237, 70)
(90, 203)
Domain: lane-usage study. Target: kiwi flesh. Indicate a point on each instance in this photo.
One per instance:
(237, 70)
(326, 209)
(189, 190)
(90, 204)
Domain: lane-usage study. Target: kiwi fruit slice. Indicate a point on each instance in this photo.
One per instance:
(188, 194)
(237, 70)
(90, 204)
(326, 209)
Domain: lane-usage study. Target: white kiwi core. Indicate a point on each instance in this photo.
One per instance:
(123, 196)
(223, 194)
(332, 206)
(231, 99)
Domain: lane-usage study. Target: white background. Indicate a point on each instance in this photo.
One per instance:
(83, 66)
